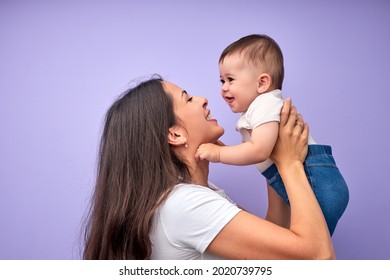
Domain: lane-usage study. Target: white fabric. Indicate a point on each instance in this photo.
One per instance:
(265, 108)
(189, 220)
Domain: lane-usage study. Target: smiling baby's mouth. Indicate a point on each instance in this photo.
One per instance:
(229, 99)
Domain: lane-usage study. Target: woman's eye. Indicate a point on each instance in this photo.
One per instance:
(189, 99)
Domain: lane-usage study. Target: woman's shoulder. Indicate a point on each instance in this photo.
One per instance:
(188, 191)
(192, 216)
(195, 209)
(192, 198)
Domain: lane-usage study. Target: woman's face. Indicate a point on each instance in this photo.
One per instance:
(193, 115)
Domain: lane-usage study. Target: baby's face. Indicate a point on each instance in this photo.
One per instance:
(239, 82)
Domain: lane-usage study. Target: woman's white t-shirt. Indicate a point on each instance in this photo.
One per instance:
(189, 220)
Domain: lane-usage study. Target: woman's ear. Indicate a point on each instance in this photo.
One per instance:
(176, 137)
(263, 83)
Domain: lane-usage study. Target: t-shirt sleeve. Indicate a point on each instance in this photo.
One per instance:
(194, 215)
(265, 108)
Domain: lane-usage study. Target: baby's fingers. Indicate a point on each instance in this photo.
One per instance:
(200, 154)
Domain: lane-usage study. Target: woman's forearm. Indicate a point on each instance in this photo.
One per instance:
(307, 220)
(278, 211)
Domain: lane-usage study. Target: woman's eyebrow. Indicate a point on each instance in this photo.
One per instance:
(183, 93)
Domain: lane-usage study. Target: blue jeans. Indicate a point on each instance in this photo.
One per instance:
(325, 179)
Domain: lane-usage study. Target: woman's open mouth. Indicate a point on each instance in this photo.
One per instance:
(209, 116)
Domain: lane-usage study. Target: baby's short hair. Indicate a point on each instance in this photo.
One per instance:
(261, 51)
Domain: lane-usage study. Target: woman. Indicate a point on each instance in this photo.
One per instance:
(153, 200)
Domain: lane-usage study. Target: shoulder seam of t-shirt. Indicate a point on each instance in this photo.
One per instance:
(177, 189)
(233, 211)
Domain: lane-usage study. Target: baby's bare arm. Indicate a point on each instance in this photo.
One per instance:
(263, 139)
(257, 150)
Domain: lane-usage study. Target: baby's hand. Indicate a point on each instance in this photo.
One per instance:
(208, 151)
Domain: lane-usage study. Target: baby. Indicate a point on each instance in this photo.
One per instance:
(251, 71)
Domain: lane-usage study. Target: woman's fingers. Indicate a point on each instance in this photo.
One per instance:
(302, 127)
(293, 136)
(288, 114)
(285, 112)
(301, 131)
(305, 132)
(299, 124)
(292, 118)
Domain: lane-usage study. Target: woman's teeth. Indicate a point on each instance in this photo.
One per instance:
(209, 117)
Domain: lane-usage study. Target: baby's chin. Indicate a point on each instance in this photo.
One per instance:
(236, 110)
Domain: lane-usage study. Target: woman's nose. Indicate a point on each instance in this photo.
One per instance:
(203, 100)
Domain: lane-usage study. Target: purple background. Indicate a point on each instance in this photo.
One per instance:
(63, 63)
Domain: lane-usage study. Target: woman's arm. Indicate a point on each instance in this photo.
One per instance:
(247, 236)
(278, 211)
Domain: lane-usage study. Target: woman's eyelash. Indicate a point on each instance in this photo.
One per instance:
(189, 99)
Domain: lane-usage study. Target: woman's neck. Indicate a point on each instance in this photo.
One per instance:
(199, 172)
(198, 169)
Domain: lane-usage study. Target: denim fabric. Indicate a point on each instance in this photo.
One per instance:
(325, 179)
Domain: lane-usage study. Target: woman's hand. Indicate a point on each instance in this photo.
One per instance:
(303, 234)
(291, 145)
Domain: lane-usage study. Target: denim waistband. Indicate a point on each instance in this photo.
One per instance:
(319, 150)
(311, 151)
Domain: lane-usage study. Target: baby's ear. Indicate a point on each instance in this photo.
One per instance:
(263, 83)
(176, 136)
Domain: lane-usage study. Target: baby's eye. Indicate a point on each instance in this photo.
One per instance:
(222, 81)
(230, 79)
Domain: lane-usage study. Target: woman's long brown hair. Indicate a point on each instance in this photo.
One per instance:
(136, 169)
